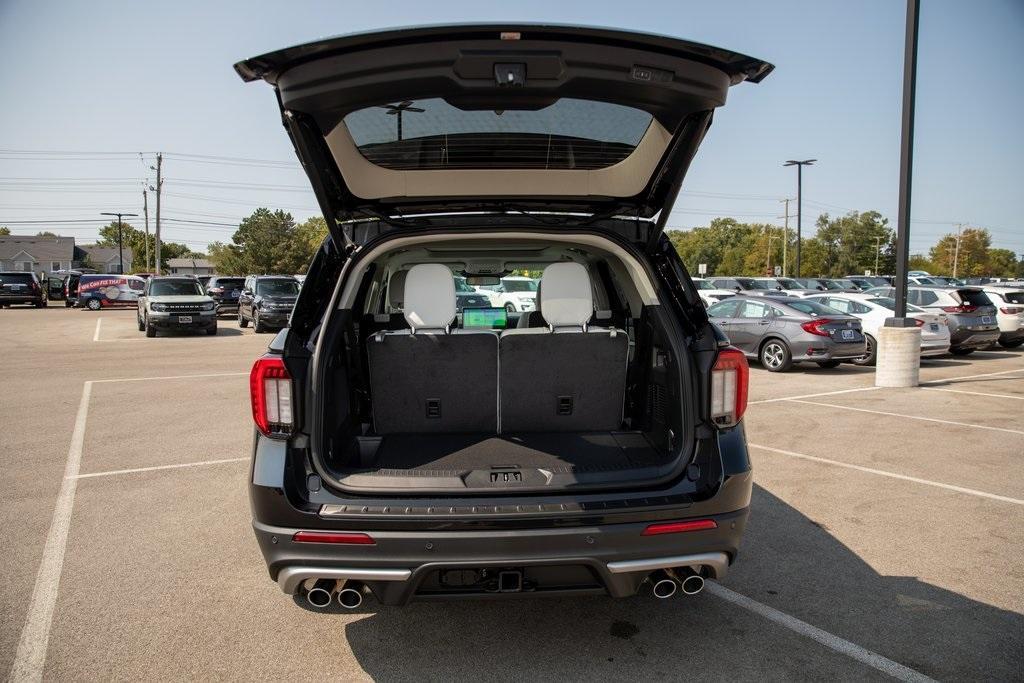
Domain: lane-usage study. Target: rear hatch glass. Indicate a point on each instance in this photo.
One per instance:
(1014, 297)
(16, 281)
(433, 134)
(976, 298)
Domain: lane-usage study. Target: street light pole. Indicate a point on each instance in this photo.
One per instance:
(799, 202)
(120, 245)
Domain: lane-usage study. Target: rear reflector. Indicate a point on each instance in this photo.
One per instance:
(270, 389)
(340, 537)
(680, 527)
(729, 379)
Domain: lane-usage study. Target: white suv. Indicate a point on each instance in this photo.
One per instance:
(516, 294)
(1009, 303)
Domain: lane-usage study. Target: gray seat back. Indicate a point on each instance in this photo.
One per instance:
(428, 378)
(565, 376)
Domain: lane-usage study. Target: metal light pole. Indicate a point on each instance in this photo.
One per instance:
(120, 246)
(906, 166)
(799, 202)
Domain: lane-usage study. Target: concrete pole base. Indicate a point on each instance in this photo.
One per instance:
(898, 357)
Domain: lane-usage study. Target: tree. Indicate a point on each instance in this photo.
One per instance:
(919, 262)
(4, 230)
(971, 258)
(47, 233)
(851, 243)
(1002, 263)
(269, 242)
(135, 239)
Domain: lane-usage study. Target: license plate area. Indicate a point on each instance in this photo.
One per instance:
(986, 320)
(934, 327)
(184, 319)
(847, 335)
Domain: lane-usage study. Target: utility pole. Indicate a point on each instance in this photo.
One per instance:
(145, 211)
(768, 263)
(785, 240)
(956, 254)
(799, 202)
(878, 250)
(159, 184)
(120, 245)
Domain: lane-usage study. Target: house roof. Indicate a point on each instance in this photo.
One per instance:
(41, 249)
(100, 255)
(189, 263)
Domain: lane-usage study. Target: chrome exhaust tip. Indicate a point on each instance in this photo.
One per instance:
(351, 596)
(692, 584)
(321, 593)
(664, 585)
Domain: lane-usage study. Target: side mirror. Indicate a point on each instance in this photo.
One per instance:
(737, 289)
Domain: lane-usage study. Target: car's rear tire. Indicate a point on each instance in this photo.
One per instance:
(828, 363)
(242, 322)
(871, 356)
(93, 304)
(960, 351)
(775, 356)
(1011, 344)
(150, 330)
(257, 325)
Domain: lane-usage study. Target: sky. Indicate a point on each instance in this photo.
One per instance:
(92, 90)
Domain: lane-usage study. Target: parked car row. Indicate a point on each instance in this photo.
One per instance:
(837, 323)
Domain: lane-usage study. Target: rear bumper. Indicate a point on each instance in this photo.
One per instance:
(828, 351)
(612, 559)
(934, 348)
(26, 299)
(970, 339)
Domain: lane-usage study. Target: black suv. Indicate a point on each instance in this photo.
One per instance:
(19, 287)
(267, 301)
(225, 291)
(414, 453)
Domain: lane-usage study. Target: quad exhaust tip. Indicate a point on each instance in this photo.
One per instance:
(693, 584)
(351, 596)
(667, 581)
(321, 593)
(664, 584)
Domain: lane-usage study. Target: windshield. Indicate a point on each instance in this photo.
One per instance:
(703, 284)
(280, 287)
(789, 283)
(175, 288)
(747, 283)
(431, 134)
(519, 285)
(812, 308)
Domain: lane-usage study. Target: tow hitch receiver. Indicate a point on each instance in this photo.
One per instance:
(510, 581)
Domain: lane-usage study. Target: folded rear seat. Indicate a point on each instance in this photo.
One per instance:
(430, 378)
(566, 376)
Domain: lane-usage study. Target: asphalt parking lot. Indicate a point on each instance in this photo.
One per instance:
(886, 537)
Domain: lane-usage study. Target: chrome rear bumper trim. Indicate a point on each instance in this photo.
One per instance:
(718, 562)
(290, 578)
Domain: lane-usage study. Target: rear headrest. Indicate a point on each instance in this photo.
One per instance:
(429, 297)
(396, 290)
(568, 296)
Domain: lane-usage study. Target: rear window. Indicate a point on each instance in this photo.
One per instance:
(1014, 297)
(812, 308)
(974, 297)
(175, 288)
(16, 279)
(234, 283)
(432, 134)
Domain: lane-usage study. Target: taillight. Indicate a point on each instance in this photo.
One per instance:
(729, 379)
(1011, 310)
(270, 388)
(218, 290)
(679, 527)
(918, 322)
(339, 537)
(814, 326)
(964, 308)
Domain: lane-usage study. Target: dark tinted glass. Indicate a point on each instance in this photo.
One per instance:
(227, 283)
(280, 287)
(974, 297)
(175, 288)
(1014, 297)
(812, 308)
(569, 134)
(519, 285)
(16, 279)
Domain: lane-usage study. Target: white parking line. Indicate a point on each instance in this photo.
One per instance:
(910, 417)
(134, 470)
(146, 379)
(829, 640)
(35, 634)
(974, 393)
(96, 335)
(892, 475)
(826, 393)
(986, 374)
